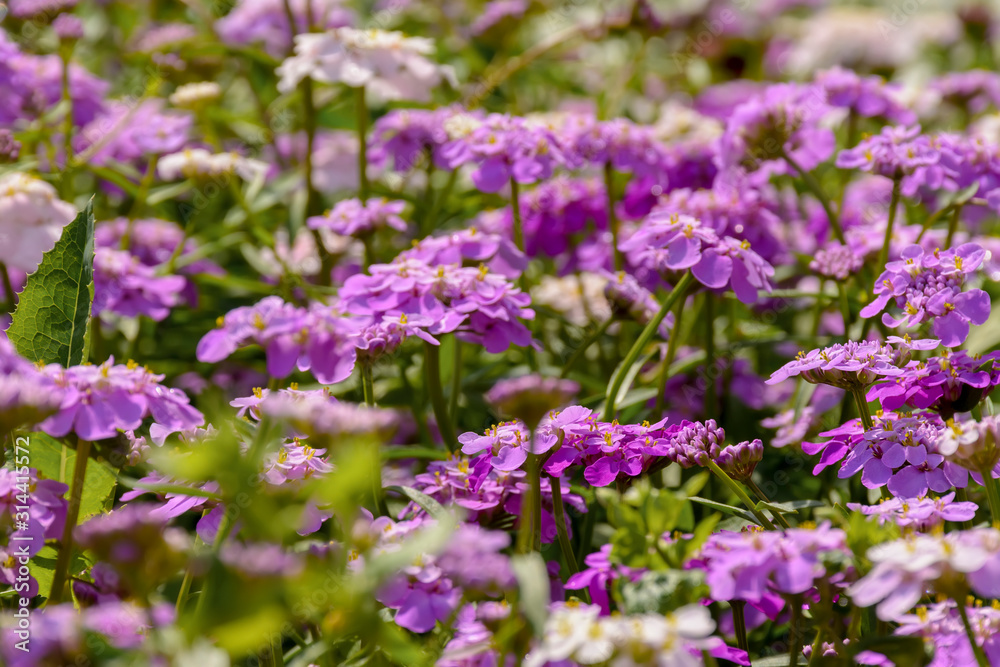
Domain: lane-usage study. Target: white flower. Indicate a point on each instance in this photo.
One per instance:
(31, 220)
(580, 298)
(199, 163)
(192, 95)
(389, 65)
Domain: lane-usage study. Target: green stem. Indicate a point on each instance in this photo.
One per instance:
(8, 289)
(456, 382)
(761, 496)
(609, 187)
(862, 403)
(225, 526)
(587, 534)
(740, 624)
(531, 507)
(585, 345)
(515, 209)
(976, 648)
(647, 335)
(816, 655)
(309, 118)
(361, 112)
(66, 53)
(182, 594)
(845, 310)
(432, 370)
(710, 385)
(735, 487)
(793, 631)
(817, 191)
(439, 201)
(61, 574)
(992, 487)
(953, 225)
(883, 254)
(368, 390)
(559, 510)
(675, 334)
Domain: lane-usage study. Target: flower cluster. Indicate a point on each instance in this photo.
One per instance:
(928, 286)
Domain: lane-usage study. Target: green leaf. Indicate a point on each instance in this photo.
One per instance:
(429, 505)
(790, 507)
(662, 592)
(50, 323)
(728, 509)
(54, 461)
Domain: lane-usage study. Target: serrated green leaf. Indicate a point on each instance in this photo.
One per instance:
(50, 323)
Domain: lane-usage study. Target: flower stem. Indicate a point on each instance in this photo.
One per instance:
(661, 389)
(761, 496)
(559, 510)
(740, 493)
(456, 382)
(225, 527)
(361, 112)
(976, 648)
(609, 187)
(953, 225)
(817, 191)
(531, 507)
(8, 289)
(992, 487)
(368, 390)
(740, 624)
(585, 345)
(647, 335)
(432, 370)
(710, 386)
(793, 631)
(883, 254)
(61, 574)
(862, 403)
(515, 209)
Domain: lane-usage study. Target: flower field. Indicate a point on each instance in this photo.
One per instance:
(483, 333)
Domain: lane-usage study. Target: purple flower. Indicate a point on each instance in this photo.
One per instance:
(758, 567)
(836, 261)
(266, 22)
(10, 148)
(405, 135)
(928, 286)
(901, 453)
(852, 364)
(495, 12)
(124, 132)
(473, 560)
(126, 287)
(326, 420)
(27, 396)
(865, 96)
(351, 217)
(782, 120)
(502, 147)
(973, 90)
(317, 339)
(599, 574)
(906, 569)
(922, 514)
(974, 445)
(530, 397)
(940, 626)
(740, 460)
(470, 247)
(952, 382)
(898, 152)
(677, 242)
(101, 400)
(480, 306)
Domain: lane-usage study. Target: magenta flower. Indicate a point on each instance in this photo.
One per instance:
(760, 567)
(599, 574)
(352, 217)
(852, 364)
(898, 152)
(101, 400)
(317, 339)
(928, 286)
(470, 247)
(124, 286)
(922, 514)
(865, 96)
(952, 382)
(675, 242)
